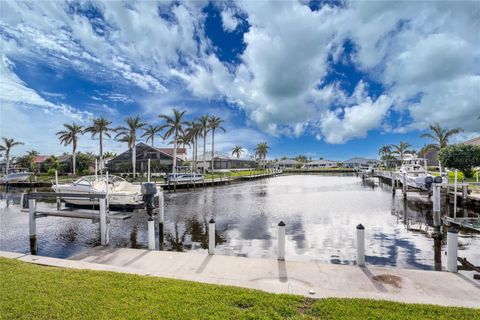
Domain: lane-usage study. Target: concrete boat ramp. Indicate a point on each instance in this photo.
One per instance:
(308, 278)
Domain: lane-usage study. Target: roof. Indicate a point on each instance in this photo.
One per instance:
(141, 145)
(64, 157)
(321, 162)
(473, 142)
(40, 159)
(361, 160)
(288, 161)
(170, 150)
(221, 156)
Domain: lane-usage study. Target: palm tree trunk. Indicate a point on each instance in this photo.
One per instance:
(152, 142)
(204, 149)
(7, 156)
(134, 158)
(174, 168)
(213, 146)
(74, 160)
(101, 151)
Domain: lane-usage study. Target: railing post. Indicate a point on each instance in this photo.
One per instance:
(32, 225)
(360, 245)
(452, 249)
(104, 228)
(281, 241)
(211, 236)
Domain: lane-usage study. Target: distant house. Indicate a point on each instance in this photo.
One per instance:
(285, 164)
(320, 164)
(160, 161)
(181, 152)
(358, 162)
(224, 161)
(473, 142)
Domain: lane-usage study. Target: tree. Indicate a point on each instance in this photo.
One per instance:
(301, 158)
(173, 124)
(401, 149)
(214, 123)
(203, 122)
(109, 154)
(150, 132)
(100, 127)
(129, 134)
(7, 146)
(85, 162)
(385, 153)
(261, 150)
(237, 151)
(194, 131)
(462, 157)
(440, 136)
(70, 136)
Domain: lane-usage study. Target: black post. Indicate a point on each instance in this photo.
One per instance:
(160, 236)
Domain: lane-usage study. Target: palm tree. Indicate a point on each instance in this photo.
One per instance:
(194, 131)
(261, 150)
(237, 151)
(70, 136)
(174, 125)
(7, 145)
(100, 126)
(150, 132)
(214, 123)
(129, 134)
(32, 153)
(401, 148)
(385, 153)
(440, 136)
(109, 154)
(203, 123)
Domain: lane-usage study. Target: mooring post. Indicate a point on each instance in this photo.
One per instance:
(96, 169)
(104, 228)
(360, 245)
(436, 201)
(161, 217)
(151, 233)
(404, 185)
(32, 225)
(59, 204)
(464, 193)
(281, 241)
(455, 195)
(148, 170)
(211, 236)
(452, 249)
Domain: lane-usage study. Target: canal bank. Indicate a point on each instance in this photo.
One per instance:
(310, 279)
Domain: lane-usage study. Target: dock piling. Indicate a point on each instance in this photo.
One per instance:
(32, 225)
(151, 234)
(404, 185)
(452, 249)
(436, 202)
(211, 237)
(161, 205)
(104, 227)
(281, 241)
(360, 245)
(455, 194)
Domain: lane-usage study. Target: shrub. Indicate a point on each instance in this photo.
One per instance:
(461, 156)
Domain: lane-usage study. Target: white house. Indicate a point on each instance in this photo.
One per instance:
(320, 164)
(286, 164)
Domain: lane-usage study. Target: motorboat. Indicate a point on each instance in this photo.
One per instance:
(416, 175)
(184, 177)
(120, 192)
(365, 168)
(16, 177)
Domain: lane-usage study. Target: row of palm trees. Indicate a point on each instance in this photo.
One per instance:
(175, 127)
(440, 137)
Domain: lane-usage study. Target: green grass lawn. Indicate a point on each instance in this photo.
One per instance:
(30, 291)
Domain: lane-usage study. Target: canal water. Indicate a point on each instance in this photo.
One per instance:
(321, 214)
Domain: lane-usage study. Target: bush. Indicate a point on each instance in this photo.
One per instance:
(51, 172)
(462, 157)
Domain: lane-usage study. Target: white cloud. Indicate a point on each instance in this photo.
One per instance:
(229, 21)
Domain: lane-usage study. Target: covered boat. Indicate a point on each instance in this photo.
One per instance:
(416, 175)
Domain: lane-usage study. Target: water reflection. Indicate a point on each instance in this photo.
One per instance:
(320, 212)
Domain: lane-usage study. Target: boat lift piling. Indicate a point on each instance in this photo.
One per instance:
(455, 195)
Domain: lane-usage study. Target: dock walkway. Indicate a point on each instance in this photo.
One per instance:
(311, 278)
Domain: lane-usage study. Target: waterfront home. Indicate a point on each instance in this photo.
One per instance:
(318, 164)
(473, 142)
(286, 164)
(224, 161)
(181, 152)
(358, 162)
(160, 161)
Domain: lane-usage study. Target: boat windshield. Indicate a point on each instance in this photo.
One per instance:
(88, 180)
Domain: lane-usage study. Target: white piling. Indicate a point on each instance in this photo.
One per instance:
(404, 185)
(281, 241)
(151, 234)
(452, 249)
(96, 170)
(455, 195)
(32, 225)
(360, 245)
(436, 204)
(211, 236)
(148, 172)
(59, 204)
(104, 227)
(161, 219)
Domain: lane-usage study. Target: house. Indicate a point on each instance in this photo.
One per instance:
(358, 162)
(286, 164)
(181, 152)
(473, 142)
(160, 161)
(224, 161)
(320, 164)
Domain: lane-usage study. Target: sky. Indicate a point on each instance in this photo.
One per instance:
(331, 79)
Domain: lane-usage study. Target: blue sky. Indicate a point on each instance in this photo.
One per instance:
(324, 79)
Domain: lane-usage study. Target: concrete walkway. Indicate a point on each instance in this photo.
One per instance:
(310, 279)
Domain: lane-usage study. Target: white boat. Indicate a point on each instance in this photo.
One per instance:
(16, 177)
(120, 192)
(416, 175)
(184, 177)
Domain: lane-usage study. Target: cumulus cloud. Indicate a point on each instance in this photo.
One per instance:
(229, 21)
